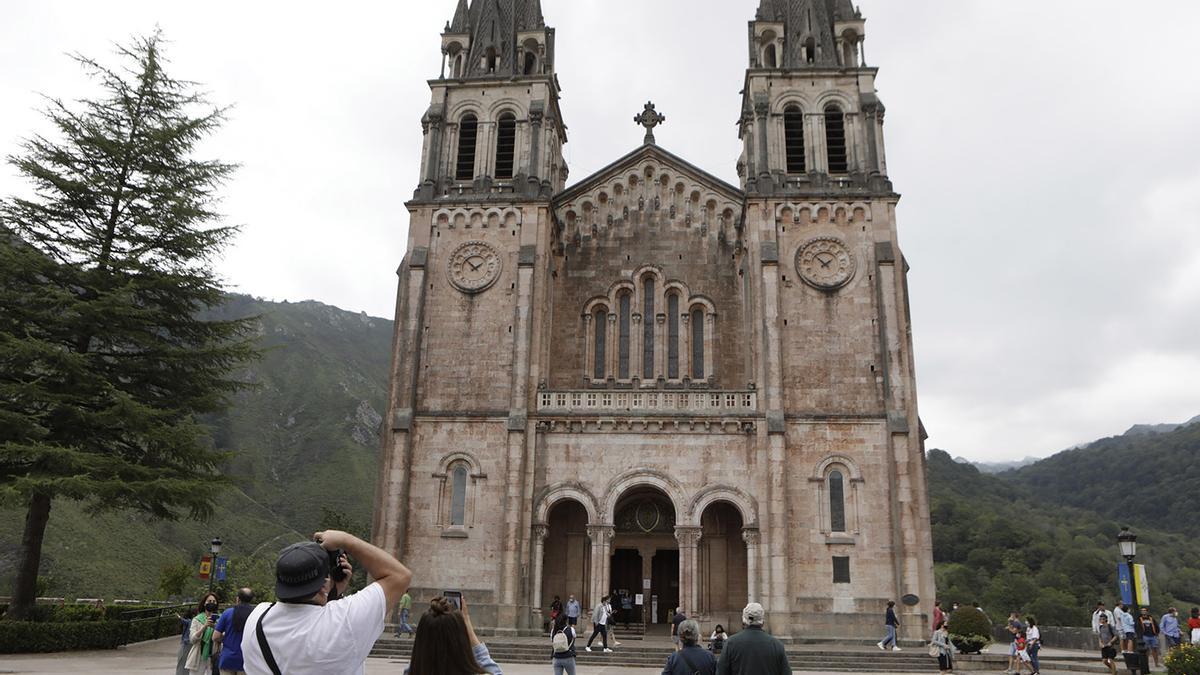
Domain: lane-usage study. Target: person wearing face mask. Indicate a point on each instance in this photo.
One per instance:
(199, 660)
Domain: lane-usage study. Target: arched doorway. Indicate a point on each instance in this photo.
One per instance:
(722, 564)
(567, 554)
(645, 556)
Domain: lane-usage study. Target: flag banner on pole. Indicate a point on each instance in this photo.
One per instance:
(221, 569)
(1142, 584)
(205, 567)
(1124, 583)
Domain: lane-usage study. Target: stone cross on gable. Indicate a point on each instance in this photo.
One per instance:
(650, 118)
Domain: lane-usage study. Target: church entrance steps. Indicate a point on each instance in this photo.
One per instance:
(653, 653)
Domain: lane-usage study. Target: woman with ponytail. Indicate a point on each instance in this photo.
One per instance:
(446, 643)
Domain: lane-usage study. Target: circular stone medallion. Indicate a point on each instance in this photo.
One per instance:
(474, 267)
(825, 263)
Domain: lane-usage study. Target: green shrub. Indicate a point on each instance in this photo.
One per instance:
(17, 637)
(1184, 660)
(970, 629)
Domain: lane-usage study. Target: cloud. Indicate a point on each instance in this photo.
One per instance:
(1051, 209)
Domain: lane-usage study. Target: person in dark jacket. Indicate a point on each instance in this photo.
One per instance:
(692, 658)
(753, 651)
(891, 623)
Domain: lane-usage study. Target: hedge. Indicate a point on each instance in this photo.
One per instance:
(17, 637)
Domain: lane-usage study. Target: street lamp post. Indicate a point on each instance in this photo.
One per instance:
(215, 547)
(1127, 542)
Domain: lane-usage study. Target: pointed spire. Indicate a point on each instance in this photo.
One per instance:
(767, 11)
(531, 16)
(462, 21)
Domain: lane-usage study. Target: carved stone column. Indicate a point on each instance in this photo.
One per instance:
(750, 536)
(540, 532)
(688, 538)
(601, 537)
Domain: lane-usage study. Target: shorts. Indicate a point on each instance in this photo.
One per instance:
(573, 620)
(1012, 649)
(1151, 641)
(1173, 641)
(1129, 636)
(1108, 652)
(1024, 656)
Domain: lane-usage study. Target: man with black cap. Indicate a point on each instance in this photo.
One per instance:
(306, 632)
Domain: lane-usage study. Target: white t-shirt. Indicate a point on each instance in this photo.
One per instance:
(1032, 633)
(311, 640)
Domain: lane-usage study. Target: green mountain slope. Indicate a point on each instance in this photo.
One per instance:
(1008, 546)
(1140, 479)
(303, 445)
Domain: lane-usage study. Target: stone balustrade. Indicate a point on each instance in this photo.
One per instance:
(647, 403)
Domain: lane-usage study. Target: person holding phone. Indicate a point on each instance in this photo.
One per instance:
(306, 632)
(199, 661)
(446, 643)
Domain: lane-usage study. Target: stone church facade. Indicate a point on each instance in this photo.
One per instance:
(654, 381)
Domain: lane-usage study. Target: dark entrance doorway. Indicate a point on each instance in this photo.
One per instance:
(626, 582)
(664, 583)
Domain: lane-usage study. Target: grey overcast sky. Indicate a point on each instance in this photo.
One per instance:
(1048, 152)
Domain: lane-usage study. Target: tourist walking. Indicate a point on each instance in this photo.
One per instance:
(753, 651)
(228, 633)
(1099, 612)
(691, 659)
(405, 613)
(1169, 626)
(1194, 626)
(1150, 632)
(1108, 637)
(1016, 630)
(599, 625)
(573, 610)
(939, 617)
(1124, 626)
(677, 618)
(611, 624)
(1033, 643)
(892, 625)
(446, 643)
(562, 654)
(940, 640)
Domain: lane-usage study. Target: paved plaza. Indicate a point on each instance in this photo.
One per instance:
(159, 657)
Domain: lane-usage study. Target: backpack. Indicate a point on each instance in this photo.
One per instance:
(561, 643)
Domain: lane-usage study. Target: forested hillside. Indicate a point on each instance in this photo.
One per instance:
(302, 449)
(1142, 479)
(1010, 546)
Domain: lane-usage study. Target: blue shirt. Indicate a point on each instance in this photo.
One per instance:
(1127, 622)
(1169, 625)
(231, 643)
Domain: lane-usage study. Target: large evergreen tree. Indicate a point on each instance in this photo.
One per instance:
(105, 273)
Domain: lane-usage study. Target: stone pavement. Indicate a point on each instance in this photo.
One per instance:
(159, 657)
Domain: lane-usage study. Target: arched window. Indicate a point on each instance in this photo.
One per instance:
(530, 63)
(698, 344)
(837, 502)
(623, 321)
(810, 51)
(468, 132)
(600, 326)
(489, 60)
(506, 143)
(835, 139)
(648, 328)
(457, 69)
(793, 139)
(673, 336)
(769, 59)
(458, 496)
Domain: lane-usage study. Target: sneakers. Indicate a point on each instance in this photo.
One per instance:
(880, 645)
(587, 649)
(607, 649)
(897, 649)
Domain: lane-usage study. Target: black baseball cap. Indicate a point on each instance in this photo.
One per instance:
(300, 571)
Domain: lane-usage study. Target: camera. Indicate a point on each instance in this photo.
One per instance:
(335, 565)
